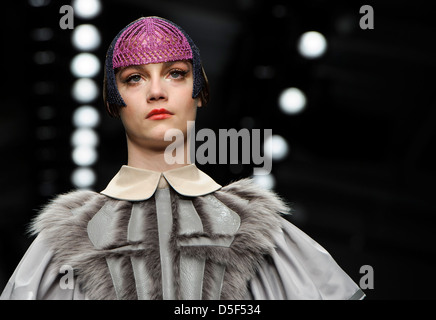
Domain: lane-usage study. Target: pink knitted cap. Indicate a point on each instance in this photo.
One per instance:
(150, 40)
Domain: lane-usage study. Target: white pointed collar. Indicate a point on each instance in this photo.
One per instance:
(136, 184)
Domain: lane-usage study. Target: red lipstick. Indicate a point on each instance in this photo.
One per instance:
(159, 114)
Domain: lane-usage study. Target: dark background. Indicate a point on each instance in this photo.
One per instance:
(360, 172)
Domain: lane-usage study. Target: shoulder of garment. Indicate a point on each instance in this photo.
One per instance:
(74, 209)
(65, 223)
(265, 249)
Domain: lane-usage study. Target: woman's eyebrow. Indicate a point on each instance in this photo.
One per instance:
(170, 63)
(165, 64)
(136, 67)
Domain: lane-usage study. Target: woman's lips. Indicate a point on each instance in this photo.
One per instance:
(159, 114)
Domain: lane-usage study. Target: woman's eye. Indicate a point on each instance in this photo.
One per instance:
(134, 78)
(178, 74)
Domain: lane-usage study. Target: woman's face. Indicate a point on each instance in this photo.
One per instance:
(158, 97)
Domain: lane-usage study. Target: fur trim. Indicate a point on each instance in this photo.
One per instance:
(64, 221)
(258, 209)
(63, 224)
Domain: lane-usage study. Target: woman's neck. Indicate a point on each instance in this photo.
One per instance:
(154, 158)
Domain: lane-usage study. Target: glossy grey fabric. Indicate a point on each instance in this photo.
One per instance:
(191, 269)
(33, 278)
(137, 223)
(165, 223)
(300, 269)
(296, 268)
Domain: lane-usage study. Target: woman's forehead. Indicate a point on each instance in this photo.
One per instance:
(162, 65)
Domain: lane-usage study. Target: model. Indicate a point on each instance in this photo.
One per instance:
(164, 230)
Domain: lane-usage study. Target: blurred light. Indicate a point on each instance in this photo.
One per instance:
(42, 34)
(277, 147)
(292, 101)
(39, 3)
(247, 122)
(345, 24)
(84, 156)
(86, 116)
(86, 37)
(43, 87)
(264, 72)
(44, 57)
(245, 4)
(45, 133)
(86, 9)
(84, 137)
(46, 154)
(266, 180)
(85, 65)
(83, 177)
(312, 44)
(84, 90)
(279, 11)
(46, 112)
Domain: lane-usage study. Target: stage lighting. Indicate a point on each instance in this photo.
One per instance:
(86, 37)
(86, 9)
(264, 72)
(266, 181)
(85, 90)
(44, 87)
(312, 44)
(277, 147)
(83, 177)
(85, 65)
(46, 112)
(86, 117)
(292, 100)
(44, 57)
(42, 34)
(84, 137)
(84, 156)
(45, 132)
(39, 3)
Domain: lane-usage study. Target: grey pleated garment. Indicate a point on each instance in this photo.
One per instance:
(222, 245)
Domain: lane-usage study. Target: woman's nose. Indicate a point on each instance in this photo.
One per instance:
(156, 91)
